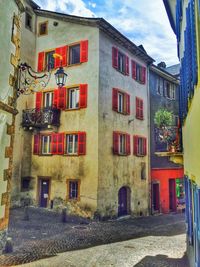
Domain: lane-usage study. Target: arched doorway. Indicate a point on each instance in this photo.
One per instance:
(124, 200)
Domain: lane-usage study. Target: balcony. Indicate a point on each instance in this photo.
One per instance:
(168, 143)
(40, 118)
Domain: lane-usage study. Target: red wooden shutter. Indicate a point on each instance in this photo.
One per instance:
(144, 146)
(127, 65)
(133, 64)
(41, 61)
(115, 57)
(135, 145)
(36, 144)
(83, 96)
(60, 143)
(141, 110)
(115, 143)
(84, 51)
(62, 98)
(55, 98)
(128, 104)
(128, 144)
(63, 52)
(54, 143)
(115, 99)
(137, 107)
(38, 100)
(143, 75)
(81, 143)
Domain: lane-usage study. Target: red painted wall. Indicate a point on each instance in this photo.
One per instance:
(162, 176)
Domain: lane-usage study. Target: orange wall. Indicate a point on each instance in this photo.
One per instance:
(162, 176)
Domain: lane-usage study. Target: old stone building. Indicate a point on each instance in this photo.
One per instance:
(9, 52)
(91, 154)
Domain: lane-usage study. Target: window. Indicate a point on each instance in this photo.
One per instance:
(74, 189)
(28, 21)
(73, 98)
(46, 144)
(25, 183)
(121, 101)
(169, 90)
(160, 86)
(138, 72)
(43, 28)
(72, 144)
(121, 143)
(50, 60)
(120, 61)
(74, 54)
(139, 108)
(140, 146)
(143, 170)
(48, 99)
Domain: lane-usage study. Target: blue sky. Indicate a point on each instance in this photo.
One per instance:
(142, 21)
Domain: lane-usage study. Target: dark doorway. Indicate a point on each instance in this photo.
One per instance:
(156, 197)
(43, 192)
(124, 201)
(172, 194)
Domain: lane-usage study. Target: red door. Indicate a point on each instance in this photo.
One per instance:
(156, 197)
(172, 195)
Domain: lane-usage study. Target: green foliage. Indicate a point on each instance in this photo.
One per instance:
(163, 118)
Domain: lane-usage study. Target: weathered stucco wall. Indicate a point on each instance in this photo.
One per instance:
(117, 171)
(9, 54)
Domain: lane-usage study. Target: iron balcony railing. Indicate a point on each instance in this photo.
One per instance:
(40, 118)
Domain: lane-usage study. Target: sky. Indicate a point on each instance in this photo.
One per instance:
(142, 21)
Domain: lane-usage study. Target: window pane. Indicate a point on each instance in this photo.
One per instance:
(122, 144)
(120, 102)
(73, 188)
(46, 144)
(74, 54)
(73, 98)
(50, 60)
(72, 144)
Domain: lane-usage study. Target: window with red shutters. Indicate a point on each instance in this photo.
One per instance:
(138, 72)
(83, 96)
(61, 98)
(84, 51)
(121, 144)
(61, 61)
(139, 108)
(140, 146)
(38, 100)
(57, 143)
(41, 57)
(36, 144)
(120, 101)
(81, 143)
(120, 61)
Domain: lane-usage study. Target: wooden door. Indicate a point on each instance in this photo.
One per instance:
(122, 201)
(156, 197)
(44, 192)
(172, 195)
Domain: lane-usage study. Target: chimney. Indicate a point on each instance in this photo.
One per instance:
(162, 65)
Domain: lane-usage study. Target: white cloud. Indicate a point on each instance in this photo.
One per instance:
(143, 21)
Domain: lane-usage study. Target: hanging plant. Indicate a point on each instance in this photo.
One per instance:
(163, 118)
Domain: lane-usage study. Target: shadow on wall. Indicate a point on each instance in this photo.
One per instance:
(163, 260)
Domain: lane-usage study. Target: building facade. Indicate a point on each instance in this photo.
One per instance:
(184, 19)
(85, 145)
(9, 52)
(166, 177)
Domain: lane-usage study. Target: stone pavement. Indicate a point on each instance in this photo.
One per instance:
(44, 235)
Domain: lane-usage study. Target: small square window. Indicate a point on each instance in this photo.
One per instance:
(73, 98)
(43, 28)
(28, 21)
(72, 144)
(74, 54)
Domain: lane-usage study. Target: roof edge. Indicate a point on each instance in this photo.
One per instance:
(169, 14)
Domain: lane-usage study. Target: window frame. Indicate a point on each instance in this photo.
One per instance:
(46, 63)
(141, 146)
(48, 145)
(51, 93)
(122, 144)
(78, 181)
(27, 13)
(68, 54)
(160, 81)
(73, 134)
(39, 28)
(77, 88)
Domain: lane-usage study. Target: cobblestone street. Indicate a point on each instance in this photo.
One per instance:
(153, 241)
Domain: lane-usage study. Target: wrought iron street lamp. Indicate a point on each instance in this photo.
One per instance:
(60, 77)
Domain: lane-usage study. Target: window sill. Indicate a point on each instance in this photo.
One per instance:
(71, 155)
(75, 200)
(72, 109)
(73, 65)
(121, 72)
(139, 118)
